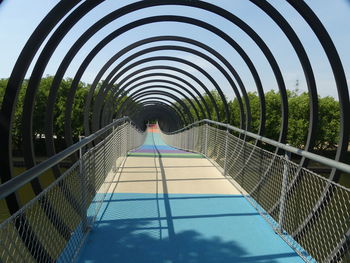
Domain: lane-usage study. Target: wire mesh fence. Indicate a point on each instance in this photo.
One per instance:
(53, 225)
(308, 211)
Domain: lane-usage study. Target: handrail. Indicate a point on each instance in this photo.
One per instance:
(312, 156)
(17, 182)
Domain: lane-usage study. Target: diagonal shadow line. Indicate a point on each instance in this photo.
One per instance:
(170, 180)
(170, 223)
(157, 198)
(267, 257)
(179, 217)
(108, 201)
(172, 166)
(178, 198)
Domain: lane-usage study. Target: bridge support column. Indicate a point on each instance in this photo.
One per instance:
(83, 186)
(206, 140)
(114, 147)
(226, 146)
(284, 190)
(193, 138)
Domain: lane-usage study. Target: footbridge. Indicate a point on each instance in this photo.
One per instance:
(174, 153)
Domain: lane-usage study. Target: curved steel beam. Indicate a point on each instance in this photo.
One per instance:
(174, 69)
(205, 6)
(182, 40)
(343, 94)
(33, 44)
(166, 102)
(135, 93)
(149, 103)
(183, 20)
(163, 93)
(165, 81)
(131, 66)
(124, 89)
(166, 87)
(28, 54)
(160, 112)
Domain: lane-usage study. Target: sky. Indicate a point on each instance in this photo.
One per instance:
(18, 19)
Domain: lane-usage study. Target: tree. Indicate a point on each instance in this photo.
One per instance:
(273, 114)
(329, 124)
(298, 119)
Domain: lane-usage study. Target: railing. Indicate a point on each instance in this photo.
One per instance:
(308, 211)
(53, 225)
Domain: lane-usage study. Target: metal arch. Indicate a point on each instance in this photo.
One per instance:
(185, 40)
(339, 75)
(163, 93)
(135, 93)
(131, 66)
(192, 51)
(160, 80)
(170, 68)
(203, 8)
(6, 119)
(10, 111)
(229, 13)
(231, 21)
(306, 65)
(101, 44)
(203, 25)
(169, 76)
(172, 89)
(140, 5)
(146, 102)
(164, 2)
(338, 72)
(183, 113)
(174, 38)
(171, 104)
(166, 82)
(100, 97)
(36, 76)
(164, 104)
(161, 114)
(165, 101)
(160, 109)
(176, 111)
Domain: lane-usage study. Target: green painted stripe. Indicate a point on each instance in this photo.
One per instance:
(168, 155)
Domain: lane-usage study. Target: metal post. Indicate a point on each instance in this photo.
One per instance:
(114, 167)
(193, 137)
(244, 161)
(104, 158)
(127, 139)
(206, 140)
(226, 150)
(83, 185)
(284, 187)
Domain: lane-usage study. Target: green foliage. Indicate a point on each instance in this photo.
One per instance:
(219, 103)
(329, 124)
(273, 114)
(298, 119)
(39, 112)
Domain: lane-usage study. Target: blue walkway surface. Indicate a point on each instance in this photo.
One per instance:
(182, 228)
(154, 146)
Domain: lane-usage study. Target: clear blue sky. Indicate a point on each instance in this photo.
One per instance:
(18, 18)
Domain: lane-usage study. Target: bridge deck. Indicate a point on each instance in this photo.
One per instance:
(167, 205)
